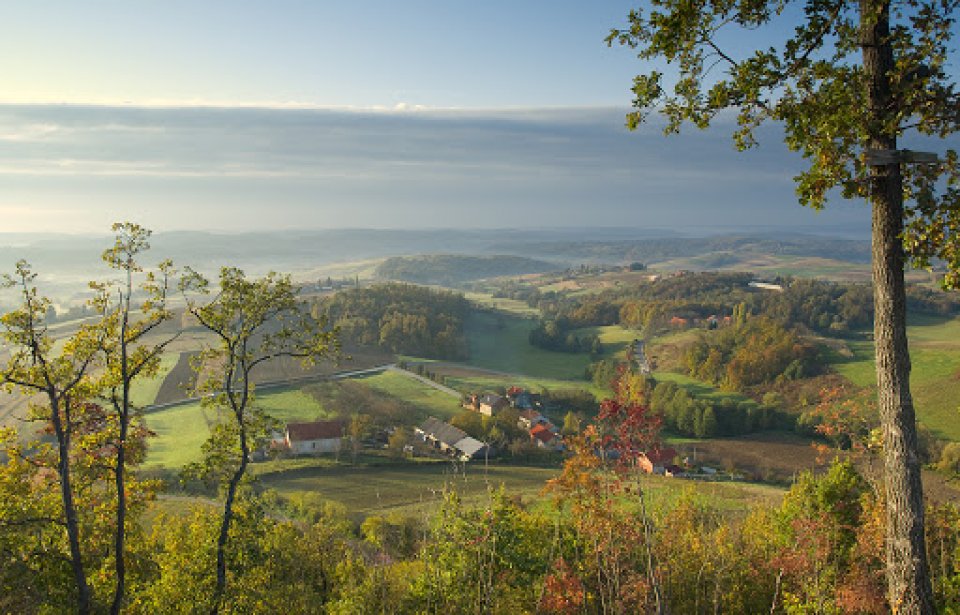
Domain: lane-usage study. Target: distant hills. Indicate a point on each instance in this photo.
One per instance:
(66, 262)
(653, 250)
(451, 270)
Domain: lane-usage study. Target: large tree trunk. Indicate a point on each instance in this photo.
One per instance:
(908, 580)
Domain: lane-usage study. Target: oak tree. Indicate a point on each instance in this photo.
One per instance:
(848, 80)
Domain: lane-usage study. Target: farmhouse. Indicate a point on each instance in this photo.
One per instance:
(656, 461)
(524, 400)
(491, 403)
(451, 440)
(545, 438)
(529, 418)
(314, 438)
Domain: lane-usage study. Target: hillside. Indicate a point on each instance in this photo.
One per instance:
(452, 270)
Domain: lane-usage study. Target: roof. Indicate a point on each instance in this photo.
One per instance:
(661, 455)
(444, 432)
(469, 446)
(492, 399)
(542, 433)
(317, 430)
(531, 415)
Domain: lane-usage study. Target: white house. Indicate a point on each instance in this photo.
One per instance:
(314, 438)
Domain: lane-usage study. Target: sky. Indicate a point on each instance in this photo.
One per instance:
(226, 115)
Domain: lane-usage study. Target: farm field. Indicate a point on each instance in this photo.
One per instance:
(408, 488)
(413, 489)
(613, 337)
(935, 377)
(422, 396)
(499, 342)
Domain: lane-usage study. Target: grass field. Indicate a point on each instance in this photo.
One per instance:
(408, 488)
(502, 304)
(418, 488)
(501, 343)
(144, 390)
(182, 429)
(424, 397)
(935, 377)
(614, 338)
(180, 432)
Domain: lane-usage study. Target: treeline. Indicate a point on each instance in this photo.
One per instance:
(683, 414)
(449, 270)
(558, 335)
(658, 249)
(401, 318)
(830, 308)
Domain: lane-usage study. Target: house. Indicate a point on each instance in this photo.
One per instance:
(451, 440)
(313, 438)
(471, 448)
(524, 400)
(529, 418)
(657, 460)
(545, 438)
(442, 436)
(491, 403)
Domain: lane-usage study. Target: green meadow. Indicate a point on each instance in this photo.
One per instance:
(500, 342)
(422, 396)
(144, 390)
(935, 374)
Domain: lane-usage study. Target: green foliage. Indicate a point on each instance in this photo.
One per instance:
(755, 352)
(813, 84)
(481, 560)
(401, 318)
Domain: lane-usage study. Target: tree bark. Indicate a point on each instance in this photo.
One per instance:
(69, 508)
(908, 580)
(120, 535)
(120, 471)
(228, 517)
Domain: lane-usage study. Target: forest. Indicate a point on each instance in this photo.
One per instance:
(401, 318)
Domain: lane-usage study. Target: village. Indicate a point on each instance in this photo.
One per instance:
(441, 439)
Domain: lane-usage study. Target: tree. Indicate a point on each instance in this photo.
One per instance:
(358, 428)
(127, 354)
(254, 321)
(65, 382)
(850, 80)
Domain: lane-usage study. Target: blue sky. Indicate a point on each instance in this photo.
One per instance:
(229, 115)
(439, 53)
